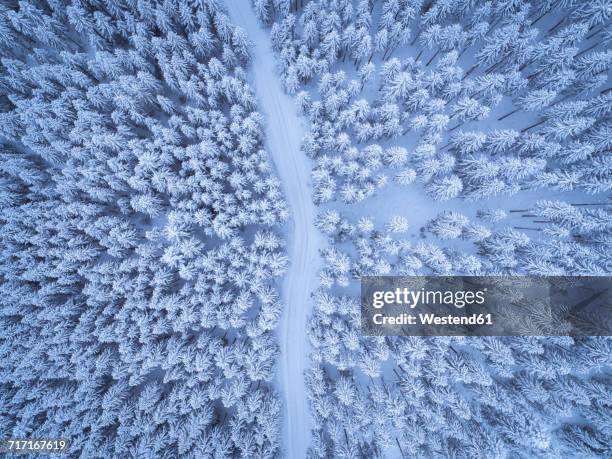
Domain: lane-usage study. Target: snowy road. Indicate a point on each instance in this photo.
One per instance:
(283, 135)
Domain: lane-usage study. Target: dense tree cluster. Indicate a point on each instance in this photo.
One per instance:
(426, 71)
(472, 397)
(136, 224)
(138, 252)
(471, 100)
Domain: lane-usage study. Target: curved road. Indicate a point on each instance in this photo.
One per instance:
(283, 135)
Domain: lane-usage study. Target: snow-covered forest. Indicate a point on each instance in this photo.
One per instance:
(453, 137)
(155, 244)
(138, 227)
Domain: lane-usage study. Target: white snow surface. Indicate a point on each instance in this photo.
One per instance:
(284, 134)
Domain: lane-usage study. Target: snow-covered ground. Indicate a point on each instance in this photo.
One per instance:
(283, 136)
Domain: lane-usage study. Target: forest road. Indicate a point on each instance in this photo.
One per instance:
(283, 137)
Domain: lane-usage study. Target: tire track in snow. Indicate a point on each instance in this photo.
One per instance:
(283, 137)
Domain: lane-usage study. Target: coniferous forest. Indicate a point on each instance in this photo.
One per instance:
(191, 191)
